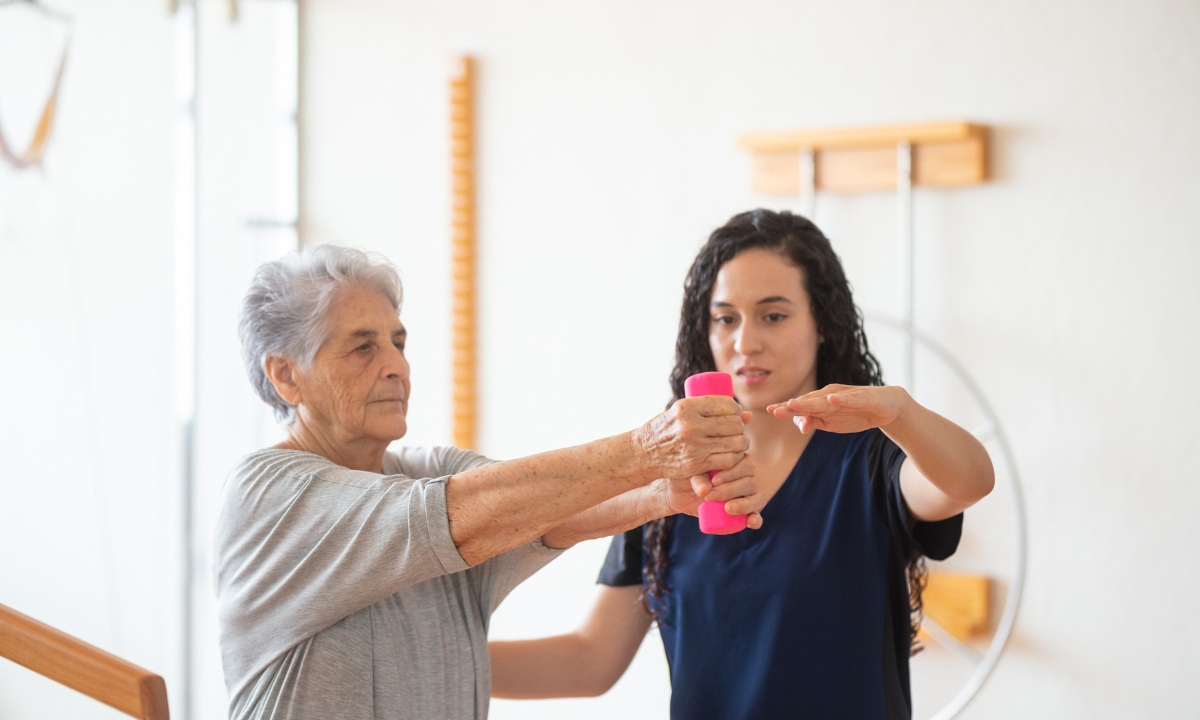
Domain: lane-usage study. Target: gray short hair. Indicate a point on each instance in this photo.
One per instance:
(284, 311)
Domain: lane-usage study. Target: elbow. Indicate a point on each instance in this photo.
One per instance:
(473, 553)
(595, 687)
(982, 486)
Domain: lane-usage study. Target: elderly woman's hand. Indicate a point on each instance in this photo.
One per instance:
(737, 487)
(694, 436)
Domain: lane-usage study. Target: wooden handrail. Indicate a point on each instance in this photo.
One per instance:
(70, 661)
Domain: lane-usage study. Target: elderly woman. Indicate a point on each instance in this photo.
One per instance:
(354, 582)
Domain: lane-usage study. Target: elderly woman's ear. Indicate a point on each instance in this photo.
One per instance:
(279, 372)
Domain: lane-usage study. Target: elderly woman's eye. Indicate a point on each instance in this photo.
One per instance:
(363, 348)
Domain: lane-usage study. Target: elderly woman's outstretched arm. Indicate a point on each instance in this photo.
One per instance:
(498, 507)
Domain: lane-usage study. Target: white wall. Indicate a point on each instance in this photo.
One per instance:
(89, 505)
(94, 297)
(607, 153)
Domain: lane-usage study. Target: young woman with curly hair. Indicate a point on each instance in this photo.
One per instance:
(814, 614)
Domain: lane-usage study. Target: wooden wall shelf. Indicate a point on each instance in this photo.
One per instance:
(944, 154)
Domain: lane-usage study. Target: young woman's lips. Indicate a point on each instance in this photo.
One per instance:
(753, 375)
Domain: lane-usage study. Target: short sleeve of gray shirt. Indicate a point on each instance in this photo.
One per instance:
(340, 593)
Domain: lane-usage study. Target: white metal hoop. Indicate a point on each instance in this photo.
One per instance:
(1013, 599)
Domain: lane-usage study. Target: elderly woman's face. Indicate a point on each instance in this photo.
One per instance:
(357, 386)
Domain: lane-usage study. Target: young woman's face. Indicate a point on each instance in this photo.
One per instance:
(762, 330)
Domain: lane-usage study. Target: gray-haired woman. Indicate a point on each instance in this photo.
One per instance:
(354, 582)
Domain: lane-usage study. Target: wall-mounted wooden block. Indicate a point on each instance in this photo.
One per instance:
(864, 159)
(961, 604)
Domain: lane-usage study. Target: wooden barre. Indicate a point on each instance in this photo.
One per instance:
(83, 667)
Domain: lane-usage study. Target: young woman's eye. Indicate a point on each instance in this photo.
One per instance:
(776, 317)
(724, 320)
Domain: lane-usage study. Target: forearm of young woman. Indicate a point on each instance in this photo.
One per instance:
(737, 487)
(615, 515)
(947, 470)
(584, 663)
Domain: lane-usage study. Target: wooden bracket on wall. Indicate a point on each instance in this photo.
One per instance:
(961, 604)
(945, 154)
(462, 242)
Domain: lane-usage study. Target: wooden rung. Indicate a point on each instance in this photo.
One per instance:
(961, 604)
(72, 662)
(864, 159)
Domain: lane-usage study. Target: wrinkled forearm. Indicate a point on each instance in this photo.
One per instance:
(498, 507)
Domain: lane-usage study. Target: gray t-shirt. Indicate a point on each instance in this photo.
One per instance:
(341, 594)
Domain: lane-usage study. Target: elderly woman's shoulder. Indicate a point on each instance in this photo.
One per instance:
(437, 461)
(274, 464)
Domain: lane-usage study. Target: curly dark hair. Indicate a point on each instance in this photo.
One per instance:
(843, 357)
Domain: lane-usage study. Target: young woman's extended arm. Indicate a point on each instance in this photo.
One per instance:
(584, 663)
(947, 469)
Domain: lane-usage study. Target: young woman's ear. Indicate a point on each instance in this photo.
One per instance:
(282, 376)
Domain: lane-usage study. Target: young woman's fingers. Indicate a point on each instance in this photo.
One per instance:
(746, 488)
(804, 422)
(746, 505)
(850, 401)
(746, 467)
(809, 405)
(724, 460)
(754, 521)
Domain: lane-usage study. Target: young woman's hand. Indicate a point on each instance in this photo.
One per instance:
(844, 408)
(737, 487)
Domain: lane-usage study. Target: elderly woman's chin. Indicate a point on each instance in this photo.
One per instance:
(387, 420)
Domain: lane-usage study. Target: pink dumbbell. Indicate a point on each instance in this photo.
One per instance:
(713, 518)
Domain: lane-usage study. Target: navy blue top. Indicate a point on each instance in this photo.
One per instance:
(807, 617)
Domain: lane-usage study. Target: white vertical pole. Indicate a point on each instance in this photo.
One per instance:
(186, 250)
(904, 247)
(808, 183)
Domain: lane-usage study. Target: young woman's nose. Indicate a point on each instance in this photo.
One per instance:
(746, 341)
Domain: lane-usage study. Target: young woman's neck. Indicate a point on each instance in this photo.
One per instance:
(772, 438)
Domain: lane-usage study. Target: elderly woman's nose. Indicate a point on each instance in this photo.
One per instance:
(395, 364)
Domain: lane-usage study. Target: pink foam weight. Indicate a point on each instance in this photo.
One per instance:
(713, 518)
(708, 383)
(715, 521)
